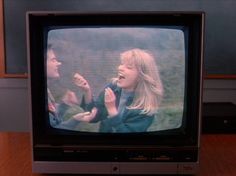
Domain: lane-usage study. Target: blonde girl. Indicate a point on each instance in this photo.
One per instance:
(130, 101)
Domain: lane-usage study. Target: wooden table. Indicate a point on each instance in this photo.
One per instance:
(217, 158)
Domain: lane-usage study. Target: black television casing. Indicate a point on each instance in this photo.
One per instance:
(165, 152)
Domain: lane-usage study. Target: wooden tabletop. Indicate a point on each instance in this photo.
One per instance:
(217, 158)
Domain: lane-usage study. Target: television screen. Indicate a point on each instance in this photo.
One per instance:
(139, 72)
(108, 78)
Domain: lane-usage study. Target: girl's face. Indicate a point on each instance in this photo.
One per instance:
(52, 65)
(127, 76)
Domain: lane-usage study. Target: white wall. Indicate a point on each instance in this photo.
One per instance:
(14, 100)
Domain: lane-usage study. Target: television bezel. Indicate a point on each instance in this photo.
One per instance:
(36, 38)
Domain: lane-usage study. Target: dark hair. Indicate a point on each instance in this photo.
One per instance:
(49, 47)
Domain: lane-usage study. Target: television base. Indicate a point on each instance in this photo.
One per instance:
(115, 167)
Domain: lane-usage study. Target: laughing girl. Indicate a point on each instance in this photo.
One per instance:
(130, 102)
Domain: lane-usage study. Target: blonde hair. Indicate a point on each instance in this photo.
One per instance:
(149, 90)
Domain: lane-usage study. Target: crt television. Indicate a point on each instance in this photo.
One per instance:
(89, 116)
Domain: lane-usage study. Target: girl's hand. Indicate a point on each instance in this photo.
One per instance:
(70, 98)
(84, 85)
(110, 102)
(81, 82)
(86, 116)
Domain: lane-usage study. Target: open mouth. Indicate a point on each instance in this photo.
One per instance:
(121, 76)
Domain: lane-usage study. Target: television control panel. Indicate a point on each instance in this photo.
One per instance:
(116, 155)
